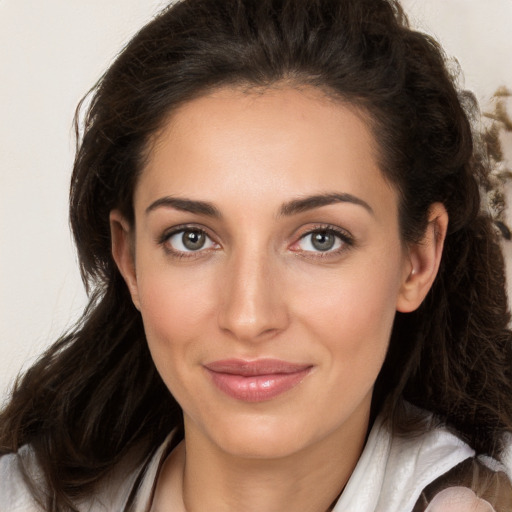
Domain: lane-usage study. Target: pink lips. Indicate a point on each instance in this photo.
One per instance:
(256, 381)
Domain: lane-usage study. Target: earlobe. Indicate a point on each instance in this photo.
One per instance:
(424, 259)
(123, 252)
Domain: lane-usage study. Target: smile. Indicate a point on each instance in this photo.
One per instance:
(256, 381)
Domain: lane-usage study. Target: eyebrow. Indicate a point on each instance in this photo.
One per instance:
(185, 205)
(289, 208)
(310, 202)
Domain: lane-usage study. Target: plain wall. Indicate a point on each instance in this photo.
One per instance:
(52, 52)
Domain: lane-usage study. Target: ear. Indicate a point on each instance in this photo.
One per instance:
(123, 252)
(424, 258)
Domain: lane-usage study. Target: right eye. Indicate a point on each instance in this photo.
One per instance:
(188, 241)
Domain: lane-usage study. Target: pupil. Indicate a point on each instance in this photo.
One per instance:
(193, 240)
(323, 241)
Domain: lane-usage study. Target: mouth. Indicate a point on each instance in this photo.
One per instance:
(256, 381)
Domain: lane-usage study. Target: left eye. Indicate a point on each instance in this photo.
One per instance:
(189, 240)
(324, 240)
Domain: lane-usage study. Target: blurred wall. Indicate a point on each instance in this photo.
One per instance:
(51, 53)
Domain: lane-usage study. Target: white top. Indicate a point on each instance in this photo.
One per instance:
(390, 476)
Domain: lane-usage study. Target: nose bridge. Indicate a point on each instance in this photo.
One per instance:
(252, 303)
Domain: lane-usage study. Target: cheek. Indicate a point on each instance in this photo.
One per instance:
(354, 301)
(351, 316)
(176, 307)
(176, 311)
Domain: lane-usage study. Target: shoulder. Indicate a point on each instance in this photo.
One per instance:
(15, 491)
(21, 479)
(478, 482)
(436, 471)
(394, 469)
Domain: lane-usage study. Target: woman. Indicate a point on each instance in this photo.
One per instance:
(296, 300)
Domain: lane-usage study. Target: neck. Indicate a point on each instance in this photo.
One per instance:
(309, 484)
(199, 476)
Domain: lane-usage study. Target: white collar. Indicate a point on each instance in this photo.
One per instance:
(393, 470)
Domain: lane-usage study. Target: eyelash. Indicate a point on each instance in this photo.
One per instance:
(176, 253)
(346, 241)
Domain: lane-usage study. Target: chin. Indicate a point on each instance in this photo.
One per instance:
(260, 437)
(256, 444)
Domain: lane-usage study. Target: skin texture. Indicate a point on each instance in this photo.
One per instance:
(458, 499)
(259, 288)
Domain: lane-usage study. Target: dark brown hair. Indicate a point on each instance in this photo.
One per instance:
(96, 393)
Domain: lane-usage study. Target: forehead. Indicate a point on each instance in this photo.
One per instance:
(271, 144)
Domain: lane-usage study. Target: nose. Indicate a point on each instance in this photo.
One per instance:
(253, 306)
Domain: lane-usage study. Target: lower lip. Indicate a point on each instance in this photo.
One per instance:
(257, 388)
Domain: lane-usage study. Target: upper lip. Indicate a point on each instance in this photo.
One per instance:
(256, 367)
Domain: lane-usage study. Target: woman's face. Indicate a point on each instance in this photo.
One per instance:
(267, 267)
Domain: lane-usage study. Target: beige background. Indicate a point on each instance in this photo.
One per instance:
(51, 52)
